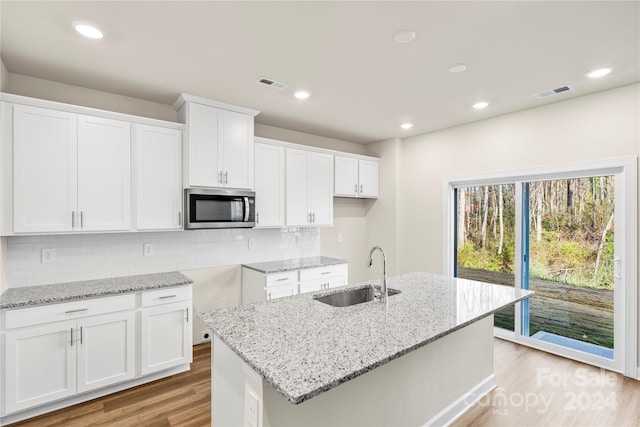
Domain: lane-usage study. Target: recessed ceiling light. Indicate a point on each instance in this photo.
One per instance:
(404, 36)
(480, 105)
(301, 94)
(406, 126)
(87, 30)
(457, 68)
(600, 72)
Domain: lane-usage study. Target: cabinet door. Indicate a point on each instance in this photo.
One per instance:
(270, 185)
(236, 150)
(166, 336)
(202, 135)
(297, 188)
(368, 178)
(345, 176)
(104, 174)
(106, 347)
(281, 291)
(312, 286)
(158, 170)
(44, 169)
(40, 365)
(320, 199)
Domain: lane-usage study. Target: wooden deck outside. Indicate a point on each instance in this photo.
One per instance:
(581, 313)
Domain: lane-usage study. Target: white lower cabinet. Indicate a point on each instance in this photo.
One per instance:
(258, 286)
(166, 336)
(52, 354)
(48, 362)
(41, 365)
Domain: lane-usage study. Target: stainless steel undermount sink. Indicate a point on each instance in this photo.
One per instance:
(352, 296)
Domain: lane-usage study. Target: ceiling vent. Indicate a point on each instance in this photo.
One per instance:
(552, 92)
(273, 83)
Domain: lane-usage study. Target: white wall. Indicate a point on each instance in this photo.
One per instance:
(593, 127)
(93, 256)
(4, 76)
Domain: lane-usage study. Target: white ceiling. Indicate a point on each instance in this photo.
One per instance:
(363, 85)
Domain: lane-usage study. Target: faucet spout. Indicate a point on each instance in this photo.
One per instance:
(385, 293)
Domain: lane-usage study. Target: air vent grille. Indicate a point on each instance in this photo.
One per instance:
(551, 92)
(272, 83)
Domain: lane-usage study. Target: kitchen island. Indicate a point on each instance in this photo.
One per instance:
(421, 359)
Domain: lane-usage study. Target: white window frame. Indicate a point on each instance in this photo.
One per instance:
(626, 300)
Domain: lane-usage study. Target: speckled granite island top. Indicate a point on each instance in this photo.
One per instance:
(303, 347)
(62, 292)
(270, 267)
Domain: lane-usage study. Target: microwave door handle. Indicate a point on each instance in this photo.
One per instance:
(246, 209)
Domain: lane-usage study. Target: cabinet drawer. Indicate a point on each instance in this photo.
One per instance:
(321, 272)
(281, 291)
(68, 310)
(322, 284)
(166, 296)
(285, 278)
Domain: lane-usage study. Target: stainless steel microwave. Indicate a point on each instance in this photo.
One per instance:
(219, 208)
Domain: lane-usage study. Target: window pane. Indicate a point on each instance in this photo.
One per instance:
(571, 246)
(485, 239)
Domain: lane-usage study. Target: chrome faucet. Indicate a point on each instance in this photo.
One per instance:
(384, 296)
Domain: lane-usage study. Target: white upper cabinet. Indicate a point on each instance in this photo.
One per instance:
(158, 180)
(219, 143)
(309, 184)
(70, 172)
(104, 174)
(356, 177)
(71, 169)
(45, 165)
(270, 185)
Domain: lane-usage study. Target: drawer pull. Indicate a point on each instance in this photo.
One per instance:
(167, 296)
(326, 272)
(71, 337)
(76, 311)
(80, 334)
(282, 280)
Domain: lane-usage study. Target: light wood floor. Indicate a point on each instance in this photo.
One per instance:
(534, 389)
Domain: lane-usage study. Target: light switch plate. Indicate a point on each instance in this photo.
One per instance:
(147, 249)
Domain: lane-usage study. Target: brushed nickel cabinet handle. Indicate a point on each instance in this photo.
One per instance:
(73, 219)
(361, 187)
(71, 337)
(76, 311)
(167, 296)
(355, 188)
(187, 314)
(226, 177)
(81, 219)
(80, 334)
(179, 218)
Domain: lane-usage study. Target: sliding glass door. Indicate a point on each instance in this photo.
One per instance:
(571, 261)
(485, 239)
(565, 235)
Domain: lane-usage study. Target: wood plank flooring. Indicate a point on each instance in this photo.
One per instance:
(181, 400)
(534, 389)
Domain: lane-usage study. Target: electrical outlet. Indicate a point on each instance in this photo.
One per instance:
(147, 249)
(251, 242)
(48, 256)
(339, 237)
(206, 336)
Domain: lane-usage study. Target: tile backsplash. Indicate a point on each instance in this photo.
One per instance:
(96, 256)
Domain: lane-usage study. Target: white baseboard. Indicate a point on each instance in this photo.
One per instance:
(457, 408)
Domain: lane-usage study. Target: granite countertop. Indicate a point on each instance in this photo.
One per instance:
(303, 347)
(71, 291)
(293, 264)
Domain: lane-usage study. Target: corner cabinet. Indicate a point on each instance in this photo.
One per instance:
(270, 185)
(309, 188)
(355, 177)
(70, 172)
(219, 143)
(158, 178)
